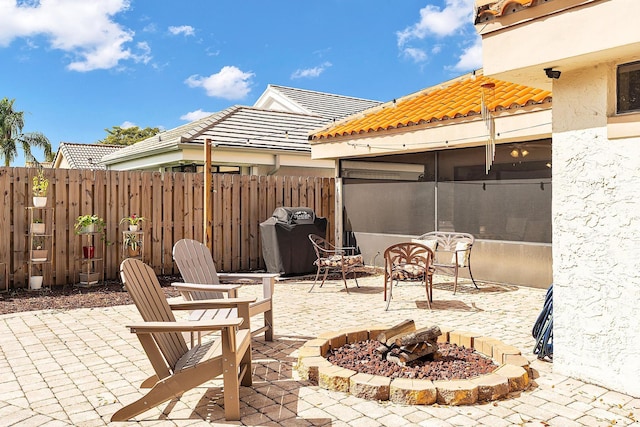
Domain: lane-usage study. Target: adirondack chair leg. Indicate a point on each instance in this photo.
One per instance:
(268, 323)
(160, 393)
(245, 364)
(230, 376)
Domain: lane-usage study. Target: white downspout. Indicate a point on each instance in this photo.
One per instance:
(276, 164)
(338, 230)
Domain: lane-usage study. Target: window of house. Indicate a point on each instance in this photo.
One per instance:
(628, 87)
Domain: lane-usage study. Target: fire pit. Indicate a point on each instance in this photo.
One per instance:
(486, 369)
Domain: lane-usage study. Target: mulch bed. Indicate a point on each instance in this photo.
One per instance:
(68, 297)
(454, 362)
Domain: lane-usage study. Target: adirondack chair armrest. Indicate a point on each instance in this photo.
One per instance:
(201, 326)
(181, 286)
(243, 277)
(268, 280)
(205, 304)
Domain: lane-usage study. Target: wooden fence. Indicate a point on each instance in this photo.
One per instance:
(171, 202)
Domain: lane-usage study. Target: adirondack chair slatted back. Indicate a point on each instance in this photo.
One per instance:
(142, 284)
(196, 266)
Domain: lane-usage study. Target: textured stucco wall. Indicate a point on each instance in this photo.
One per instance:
(596, 237)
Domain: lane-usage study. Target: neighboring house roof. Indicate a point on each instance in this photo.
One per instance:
(279, 121)
(457, 98)
(83, 156)
(327, 105)
(237, 126)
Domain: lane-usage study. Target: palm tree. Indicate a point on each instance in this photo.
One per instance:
(11, 124)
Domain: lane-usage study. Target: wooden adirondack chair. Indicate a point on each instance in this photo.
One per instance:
(202, 281)
(177, 367)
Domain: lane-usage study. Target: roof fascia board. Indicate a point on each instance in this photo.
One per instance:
(172, 147)
(264, 158)
(447, 122)
(508, 128)
(528, 14)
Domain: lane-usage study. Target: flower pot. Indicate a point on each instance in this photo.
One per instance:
(35, 282)
(91, 228)
(38, 228)
(39, 255)
(89, 278)
(133, 227)
(39, 202)
(134, 252)
(88, 251)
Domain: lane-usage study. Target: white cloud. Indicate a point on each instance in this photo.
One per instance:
(195, 115)
(150, 28)
(127, 124)
(85, 30)
(230, 83)
(186, 30)
(418, 55)
(438, 22)
(471, 58)
(310, 72)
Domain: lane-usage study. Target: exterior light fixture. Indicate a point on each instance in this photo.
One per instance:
(519, 152)
(552, 74)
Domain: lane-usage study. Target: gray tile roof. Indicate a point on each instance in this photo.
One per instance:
(237, 126)
(253, 127)
(328, 105)
(85, 156)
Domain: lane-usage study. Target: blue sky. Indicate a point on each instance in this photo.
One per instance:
(77, 67)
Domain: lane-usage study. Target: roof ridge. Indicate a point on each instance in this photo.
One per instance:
(89, 143)
(322, 93)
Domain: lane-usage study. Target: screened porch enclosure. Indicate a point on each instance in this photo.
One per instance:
(411, 194)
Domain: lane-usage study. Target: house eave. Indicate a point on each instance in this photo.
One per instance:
(531, 124)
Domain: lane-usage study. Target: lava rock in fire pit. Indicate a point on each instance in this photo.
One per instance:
(404, 352)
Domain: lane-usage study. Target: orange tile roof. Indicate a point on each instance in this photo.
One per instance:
(486, 10)
(458, 98)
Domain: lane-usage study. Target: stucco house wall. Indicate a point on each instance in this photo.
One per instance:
(596, 236)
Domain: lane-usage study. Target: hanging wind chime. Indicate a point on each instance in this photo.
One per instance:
(486, 96)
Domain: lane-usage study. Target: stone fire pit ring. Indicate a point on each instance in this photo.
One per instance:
(512, 375)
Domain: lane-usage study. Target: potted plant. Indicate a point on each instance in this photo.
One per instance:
(40, 187)
(132, 243)
(89, 224)
(134, 221)
(37, 252)
(37, 226)
(35, 282)
(89, 278)
(89, 251)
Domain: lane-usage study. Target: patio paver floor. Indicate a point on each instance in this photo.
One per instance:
(76, 367)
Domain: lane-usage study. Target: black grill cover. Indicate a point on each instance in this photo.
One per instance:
(286, 248)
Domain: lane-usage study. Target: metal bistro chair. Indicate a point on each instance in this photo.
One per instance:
(453, 252)
(408, 261)
(332, 258)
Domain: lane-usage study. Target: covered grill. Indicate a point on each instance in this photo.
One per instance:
(286, 247)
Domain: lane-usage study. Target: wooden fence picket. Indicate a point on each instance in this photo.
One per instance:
(172, 203)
